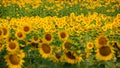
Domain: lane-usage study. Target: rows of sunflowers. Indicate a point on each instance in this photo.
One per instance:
(59, 33)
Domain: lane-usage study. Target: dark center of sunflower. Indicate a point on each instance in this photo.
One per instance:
(105, 51)
(35, 45)
(57, 56)
(102, 41)
(70, 55)
(12, 45)
(36, 38)
(14, 59)
(48, 37)
(4, 31)
(46, 48)
(63, 35)
(0, 32)
(19, 34)
(26, 28)
(90, 45)
(67, 45)
(0, 44)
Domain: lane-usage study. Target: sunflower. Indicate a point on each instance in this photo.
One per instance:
(105, 53)
(63, 35)
(67, 44)
(20, 35)
(45, 50)
(118, 32)
(57, 56)
(101, 41)
(1, 45)
(71, 57)
(34, 45)
(35, 39)
(12, 46)
(26, 28)
(5, 32)
(15, 60)
(48, 37)
(90, 45)
(1, 33)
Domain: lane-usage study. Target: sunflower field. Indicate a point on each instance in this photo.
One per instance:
(59, 33)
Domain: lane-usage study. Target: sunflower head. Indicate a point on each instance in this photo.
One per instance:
(15, 60)
(20, 35)
(67, 44)
(101, 41)
(105, 53)
(5, 31)
(1, 46)
(12, 46)
(71, 57)
(26, 28)
(63, 35)
(1, 33)
(35, 39)
(47, 37)
(34, 45)
(89, 45)
(45, 50)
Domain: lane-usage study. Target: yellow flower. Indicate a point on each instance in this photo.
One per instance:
(57, 56)
(2, 45)
(90, 45)
(71, 57)
(1, 33)
(34, 45)
(72, 16)
(101, 41)
(105, 53)
(35, 39)
(26, 28)
(67, 44)
(45, 50)
(5, 29)
(118, 32)
(12, 46)
(48, 37)
(63, 35)
(5, 32)
(20, 35)
(15, 60)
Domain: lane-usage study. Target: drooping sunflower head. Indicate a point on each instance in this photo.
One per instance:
(45, 50)
(5, 32)
(48, 37)
(56, 57)
(34, 45)
(14, 60)
(35, 39)
(63, 35)
(105, 53)
(12, 46)
(67, 44)
(72, 57)
(57, 54)
(101, 41)
(20, 35)
(1, 33)
(1, 45)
